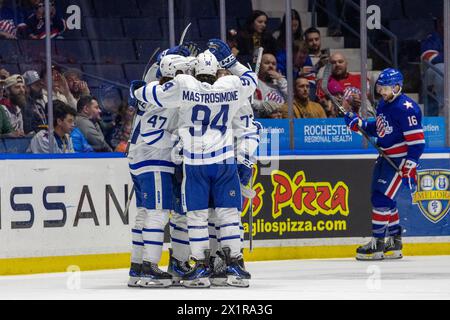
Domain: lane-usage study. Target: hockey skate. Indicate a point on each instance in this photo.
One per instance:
(177, 269)
(218, 276)
(198, 276)
(236, 275)
(153, 277)
(393, 248)
(372, 250)
(135, 275)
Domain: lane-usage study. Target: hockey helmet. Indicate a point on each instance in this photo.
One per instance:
(206, 64)
(390, 77)
(172, 63)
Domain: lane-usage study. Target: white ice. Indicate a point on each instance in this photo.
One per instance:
(409, 278)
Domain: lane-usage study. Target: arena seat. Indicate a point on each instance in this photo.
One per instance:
(153, 8)
(116, 8)
(134, 71)
(107, 71)
(196, 8)
(73, 51)
(145, 48)
(113, 51)
(142, 28)
(10, 52)
(104, 28)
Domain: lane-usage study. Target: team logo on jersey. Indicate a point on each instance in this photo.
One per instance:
(383, 127)
(433, 193)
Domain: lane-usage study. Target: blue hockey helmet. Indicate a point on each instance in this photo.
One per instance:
(390, 77)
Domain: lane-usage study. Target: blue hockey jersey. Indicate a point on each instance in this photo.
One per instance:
(398, 127)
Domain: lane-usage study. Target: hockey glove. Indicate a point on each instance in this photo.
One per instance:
(354, 122)
(409, 174)
(136, 84)
(222, 52)
(194, 49)
(245, 172)
(179, 50)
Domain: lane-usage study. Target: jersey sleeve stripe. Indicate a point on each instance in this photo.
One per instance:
(412, 132)
(155, 97)
(148, 134)
(416, 142)
(249, 74)
(144, 96)
(151, 163)
(414, 136)
(207, 155)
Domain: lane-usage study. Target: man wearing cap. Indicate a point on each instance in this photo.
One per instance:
(15, 101)
(35, 116)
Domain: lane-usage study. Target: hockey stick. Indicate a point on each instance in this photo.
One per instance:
(325, 80)
(183, 35)
(250, 216)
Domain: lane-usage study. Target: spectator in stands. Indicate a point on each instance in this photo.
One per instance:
(6, 131)
(297, 30)
(61, 90)
(77, 86)
(111, 103)
(303, 107)
(35, 115)
(122, 130)
(271, 92)
(344, 78)
(35, 23)
(11, 20)
(64, 123)
(432, 49)
(254, 36)
(319, 56)
(302, 63)
(88, 118)
(80, 143)
(4, 74)
(15, 101)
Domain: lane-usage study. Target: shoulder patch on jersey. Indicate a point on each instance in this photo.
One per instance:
(408, 105)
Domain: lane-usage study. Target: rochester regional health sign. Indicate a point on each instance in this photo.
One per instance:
(319, 134)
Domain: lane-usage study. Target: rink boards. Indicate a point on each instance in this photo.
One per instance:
(63, 212)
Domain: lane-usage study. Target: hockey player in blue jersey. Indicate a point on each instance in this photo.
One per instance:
(399, 133)
(206, 109)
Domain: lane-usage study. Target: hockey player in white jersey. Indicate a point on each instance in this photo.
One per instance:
(206, 109)
(152, 171)
(246, 138)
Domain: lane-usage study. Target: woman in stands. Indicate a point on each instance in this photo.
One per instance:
(253, 36)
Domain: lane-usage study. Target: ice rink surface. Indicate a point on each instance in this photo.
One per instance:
(409, 278)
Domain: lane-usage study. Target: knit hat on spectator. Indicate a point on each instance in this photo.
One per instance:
(31, 77)
(335, 87)
(13, 80)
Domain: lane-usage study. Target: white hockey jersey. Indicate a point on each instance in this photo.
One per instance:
(246, 133)
(205, 111)
(152, 140)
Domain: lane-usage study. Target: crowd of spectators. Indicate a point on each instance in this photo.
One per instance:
(27, 20)
(24, 112)
(309, 59)
(103, 123)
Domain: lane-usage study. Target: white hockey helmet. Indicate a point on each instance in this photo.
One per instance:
(172, 63)
(206, 64)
